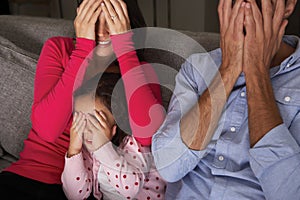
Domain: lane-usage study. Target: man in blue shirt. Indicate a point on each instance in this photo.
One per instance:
(233, 131)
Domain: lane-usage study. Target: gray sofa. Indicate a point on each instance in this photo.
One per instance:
(21, 40)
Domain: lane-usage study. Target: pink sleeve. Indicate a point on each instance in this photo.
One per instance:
(76, 178)
(124, 172)
(54, 84)
(142, 90)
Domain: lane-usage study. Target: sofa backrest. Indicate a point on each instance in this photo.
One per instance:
(21, 40)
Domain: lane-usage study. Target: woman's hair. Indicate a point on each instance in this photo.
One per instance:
(114, 101)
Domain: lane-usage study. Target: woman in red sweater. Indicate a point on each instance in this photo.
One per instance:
(37, 174)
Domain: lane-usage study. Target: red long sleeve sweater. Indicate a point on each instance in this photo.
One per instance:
(42, 158)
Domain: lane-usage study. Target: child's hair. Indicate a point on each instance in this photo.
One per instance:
(114, 101)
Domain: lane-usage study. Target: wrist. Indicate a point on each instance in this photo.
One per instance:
(72, 152)
(122, 43)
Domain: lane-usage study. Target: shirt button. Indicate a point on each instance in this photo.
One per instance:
(221, 158)
(232, 129)
(243, 94)
(287, 99)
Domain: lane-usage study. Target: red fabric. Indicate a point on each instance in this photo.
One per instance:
(142, 92)
(42, 158)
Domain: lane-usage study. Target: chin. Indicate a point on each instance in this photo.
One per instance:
(104, 50)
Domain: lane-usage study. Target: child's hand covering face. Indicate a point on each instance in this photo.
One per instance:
(98, 131)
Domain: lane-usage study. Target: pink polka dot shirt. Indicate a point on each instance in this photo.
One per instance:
(113, 173)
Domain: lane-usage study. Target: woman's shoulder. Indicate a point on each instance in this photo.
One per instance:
(60, 43)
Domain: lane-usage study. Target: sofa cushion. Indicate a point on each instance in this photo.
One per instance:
(174, 47)
(30, 33)
(16, 84)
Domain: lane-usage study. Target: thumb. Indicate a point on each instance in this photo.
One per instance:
(282, 28)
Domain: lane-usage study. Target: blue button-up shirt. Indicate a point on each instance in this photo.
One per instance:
(228, 168)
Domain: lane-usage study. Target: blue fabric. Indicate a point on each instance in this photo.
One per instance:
(228, 168)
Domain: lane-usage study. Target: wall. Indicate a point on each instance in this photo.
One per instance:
(193, 15)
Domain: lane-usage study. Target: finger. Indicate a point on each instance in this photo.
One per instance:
(91, 10)
(110, 9)
(220, 12)
(257, 16)
(78, 118)
(107, 16)
(102, 119)
(278, 15)
(250, 25)
(234, 13)
(227, 9)
(239, 21)
(124, 8)
(118, 9)
(282, 29)
(75, 117)
(96, 15)
(267, 13)
(94, 122)
(81, 128)
(83, 8)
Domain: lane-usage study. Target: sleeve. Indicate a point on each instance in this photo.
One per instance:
(275, 161)
(76, 177)
(126, 173)
(172, 157)
(53, 87)
(142, 90)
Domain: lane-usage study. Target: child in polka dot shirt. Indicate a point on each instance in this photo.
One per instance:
(110, 164)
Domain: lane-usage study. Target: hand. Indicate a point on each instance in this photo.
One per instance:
(264, 32)
(87, 16)
(116, 16)
(76, 133)
(101, 130)
(232, 35)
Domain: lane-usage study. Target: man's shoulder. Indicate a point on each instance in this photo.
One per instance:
(202, 63)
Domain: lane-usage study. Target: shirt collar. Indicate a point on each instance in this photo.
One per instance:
(291, 62)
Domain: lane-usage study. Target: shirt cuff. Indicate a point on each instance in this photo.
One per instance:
(122, 43)
(276, 145)
(106, 154)
(76, 160)
(84, 46)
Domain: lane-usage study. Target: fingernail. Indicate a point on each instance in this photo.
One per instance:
(248, 5)
(243, 4)
(102, 4)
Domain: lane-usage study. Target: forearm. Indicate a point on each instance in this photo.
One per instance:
(54, 85)
(142, 90)
(263, 113)
(196, 134)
